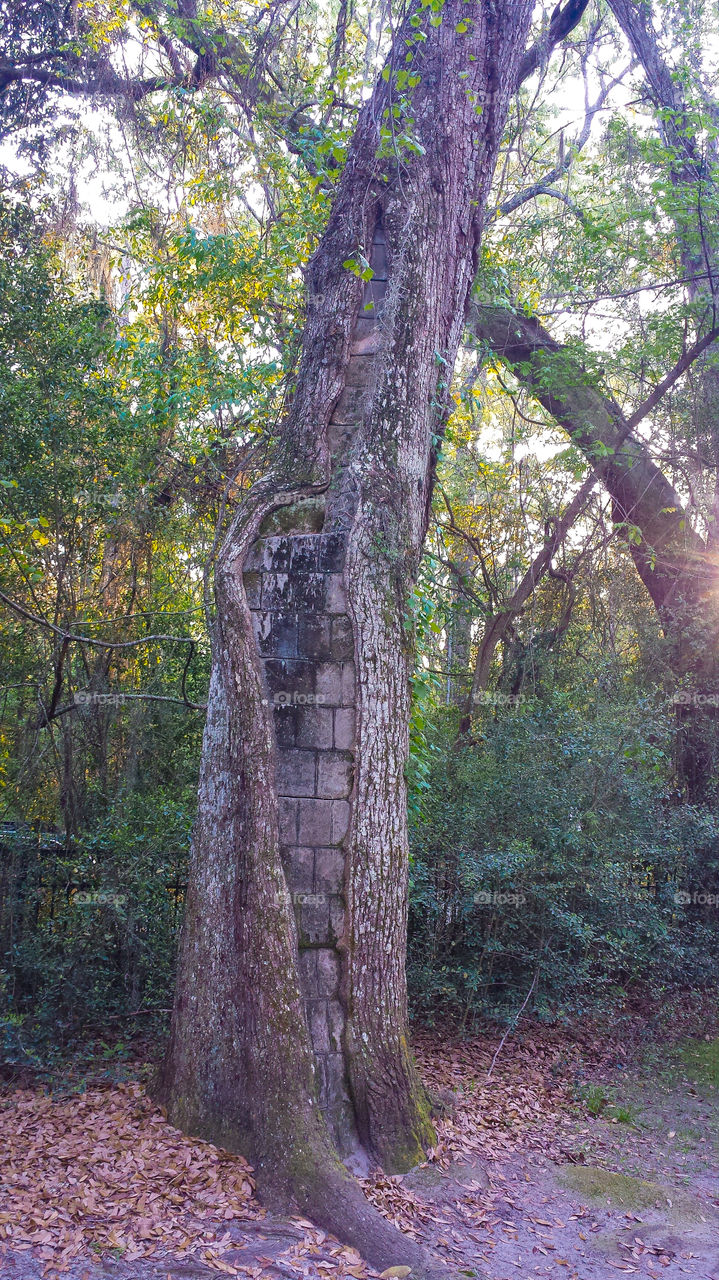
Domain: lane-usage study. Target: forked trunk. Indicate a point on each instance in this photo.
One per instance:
(289, 1035)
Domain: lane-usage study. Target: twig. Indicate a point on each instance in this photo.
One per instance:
(136, 1013)
(509, 1030)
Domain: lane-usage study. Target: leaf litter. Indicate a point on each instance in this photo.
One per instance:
(103, 1174)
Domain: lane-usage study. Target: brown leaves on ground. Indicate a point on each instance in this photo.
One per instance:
(524, 1104)
(103, 1170)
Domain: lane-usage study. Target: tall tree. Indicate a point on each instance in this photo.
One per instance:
(675, 563)
(353, 470)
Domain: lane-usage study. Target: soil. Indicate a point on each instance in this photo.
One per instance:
(581, 1157)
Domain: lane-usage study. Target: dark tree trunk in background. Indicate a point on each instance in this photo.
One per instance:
(694, 173)
(289, 1033)
(679, 569)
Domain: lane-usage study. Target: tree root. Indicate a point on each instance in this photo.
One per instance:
(334, 1200)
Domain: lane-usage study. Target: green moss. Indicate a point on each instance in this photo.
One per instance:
(601, 1186)
(305, 516)
(409, 1149)
(700, 1059)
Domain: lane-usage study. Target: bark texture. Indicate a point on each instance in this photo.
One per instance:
(348, 493)
(677, 566)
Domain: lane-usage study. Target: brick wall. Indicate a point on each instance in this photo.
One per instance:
(294, 583)
(294, 586)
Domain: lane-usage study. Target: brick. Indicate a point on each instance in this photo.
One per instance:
(339, 435)
(331, 1084)
(334, 774)
(366, 337)
(350, 407)
(315, 822)
(278, 635)
(288, 676)
(342, 643)
(288, 821)
(313, 919)
(336, 917)
(329, 683)
(329, 870)
(261, 625)
(327, 971)
(277, 591)
(335, 1024)
(300, 869)
(276, 553)
(314, 727)
(373, 297)
(285, 719)
(360, 371)
(308, 591)
(305, 553)
(365, 324)
(335, 596)
(296, 773)
(308, 958)
(332, 552)
(313, 637)
(254, 558)
(344, 734)
(348, 683)
(378, 259)
(340, 820)
(252, 582)
(319, 1031)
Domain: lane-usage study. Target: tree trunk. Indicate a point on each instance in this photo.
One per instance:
(677, 567)
(289, 1033)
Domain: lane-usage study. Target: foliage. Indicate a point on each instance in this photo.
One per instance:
(88, 933)
(148, 353)
(548, 854)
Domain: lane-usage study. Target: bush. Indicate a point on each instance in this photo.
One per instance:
(550, 852)
(89, 933)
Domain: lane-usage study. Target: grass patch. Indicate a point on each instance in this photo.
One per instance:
(601, 1186)
(700, 1059)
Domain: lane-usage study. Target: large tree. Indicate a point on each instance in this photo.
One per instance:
(289, 1036)
(353, 472)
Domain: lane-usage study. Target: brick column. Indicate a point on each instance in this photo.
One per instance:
(294, 583)
(295, 590)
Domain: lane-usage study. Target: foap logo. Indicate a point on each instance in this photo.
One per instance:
(687, 698)
(99, 898)
(84, 698)
(291, 698)
(696, 898)
(100, 499)
(493, 898)
(493, 698)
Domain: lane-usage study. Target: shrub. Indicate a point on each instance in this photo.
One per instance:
(549, 852)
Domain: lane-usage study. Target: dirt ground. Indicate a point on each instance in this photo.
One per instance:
(572, 1156)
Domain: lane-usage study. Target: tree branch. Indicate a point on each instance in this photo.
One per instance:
(562, 22)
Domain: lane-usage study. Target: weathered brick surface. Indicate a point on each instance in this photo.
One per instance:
(295, 589)
(296, 594)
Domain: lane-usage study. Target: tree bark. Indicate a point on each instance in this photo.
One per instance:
(676, 565)
(291, 788)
